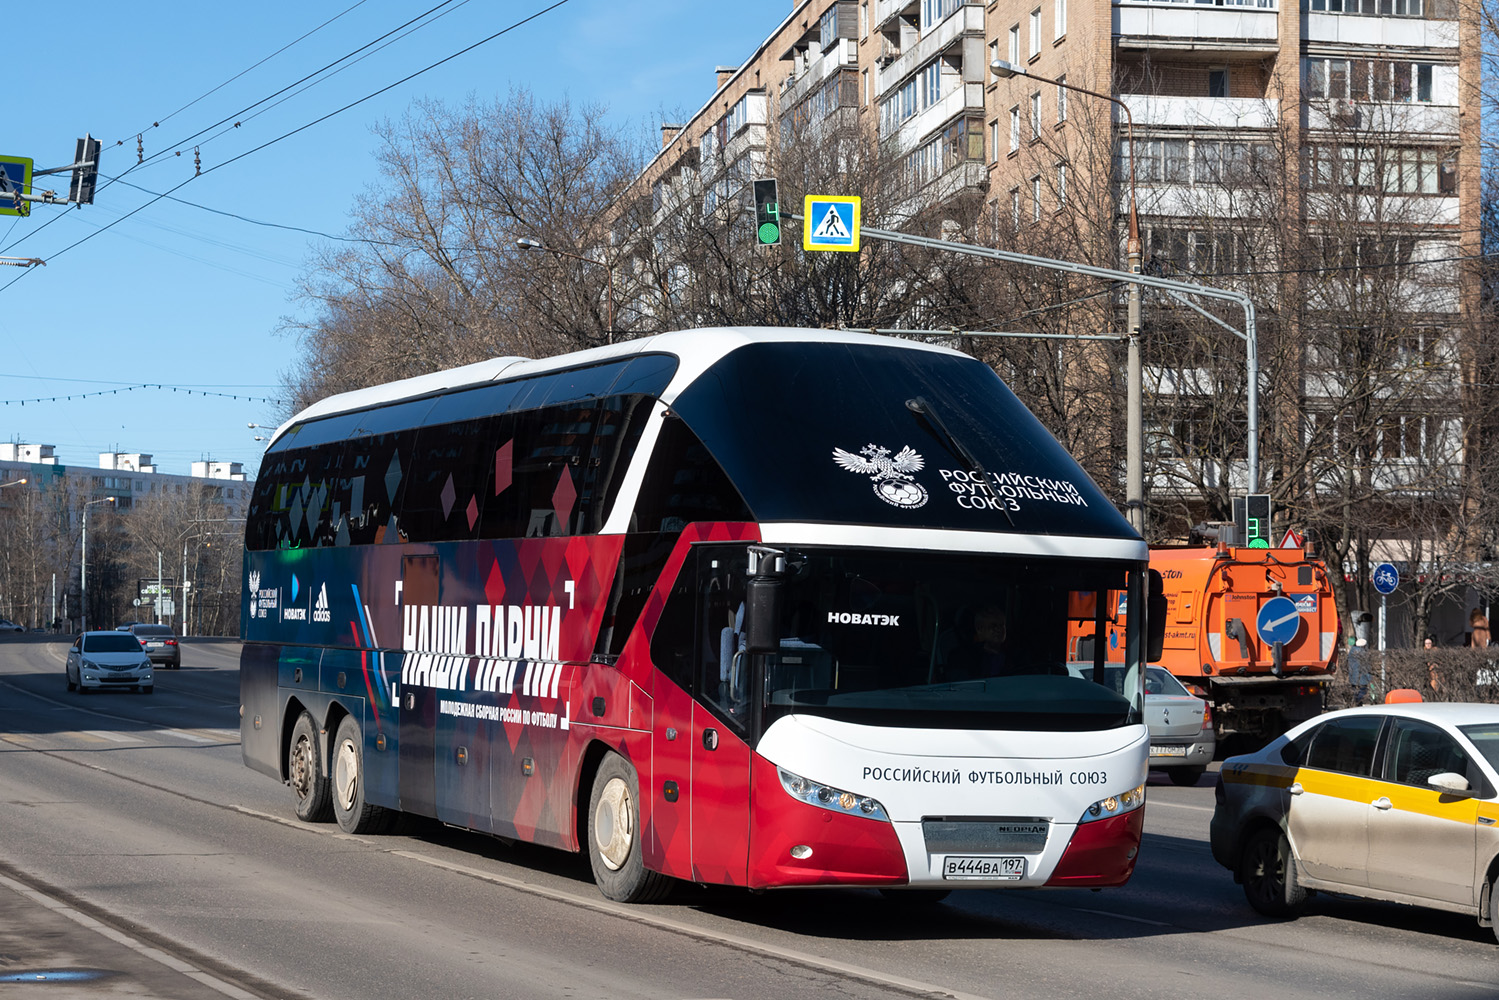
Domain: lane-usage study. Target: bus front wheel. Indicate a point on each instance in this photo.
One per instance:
(353, 813)
(614, 836)
(306, 774)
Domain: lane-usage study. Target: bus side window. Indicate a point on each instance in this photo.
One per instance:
(683, 483)
(675, 636)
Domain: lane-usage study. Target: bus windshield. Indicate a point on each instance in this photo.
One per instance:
(903, 639)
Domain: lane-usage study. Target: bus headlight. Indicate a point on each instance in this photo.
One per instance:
(827, 797)
(1115, 805)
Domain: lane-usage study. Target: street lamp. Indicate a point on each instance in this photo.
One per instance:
(13, 482)
(83, 560)
(191, 532)
(526, 244)
(1134, 476)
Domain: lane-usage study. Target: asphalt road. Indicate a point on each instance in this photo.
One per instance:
(138, 856)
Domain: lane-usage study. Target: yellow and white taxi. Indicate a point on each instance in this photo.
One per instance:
(1394, 802)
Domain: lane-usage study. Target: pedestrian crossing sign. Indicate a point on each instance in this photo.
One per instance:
(830, 222)
(15, 179)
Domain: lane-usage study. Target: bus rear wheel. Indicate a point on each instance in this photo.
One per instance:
(614, 836)
(306, 774)
(353, 813)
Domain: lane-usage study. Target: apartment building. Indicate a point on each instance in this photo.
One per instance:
(129, 477)
(1358, 117)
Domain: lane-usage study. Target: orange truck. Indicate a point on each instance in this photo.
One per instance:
(1220, 623)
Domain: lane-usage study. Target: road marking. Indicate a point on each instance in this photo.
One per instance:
(105, 734)
(634, 915)
(184, 734)
(1120, 916)
(1155, 803)
(140, 947)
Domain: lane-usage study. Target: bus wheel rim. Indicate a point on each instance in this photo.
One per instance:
(301, 768)
(346, 774)
(614, 824)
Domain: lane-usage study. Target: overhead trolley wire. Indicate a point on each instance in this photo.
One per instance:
(209, 93)
(302, 128)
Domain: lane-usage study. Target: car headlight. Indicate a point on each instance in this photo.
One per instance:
(827, 797)
(1115, 805)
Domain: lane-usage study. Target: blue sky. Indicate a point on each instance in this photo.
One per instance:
(182, 297)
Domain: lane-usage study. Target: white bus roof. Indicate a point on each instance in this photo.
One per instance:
(695, 349)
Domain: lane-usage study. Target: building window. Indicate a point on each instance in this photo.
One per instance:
(994, 141)
(1014, 57)
(1036, 198)
(1059, 15)
(1035, 116)
(1061, 98)
(1035, 33)
(1397, 8)
(993, 57)
(864, 19)
(935, 11)
(1015, 128)
(1218, 82)
(864, 92)
(1369, 80)
(1061, 184)
(1015, 209)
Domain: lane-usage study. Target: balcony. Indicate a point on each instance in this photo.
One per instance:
(1415, 119)
(843, 54)
(1251, 31)
(968, 20)
(915, 130)
(1201, 112)
(885, 10)
(1403, 32)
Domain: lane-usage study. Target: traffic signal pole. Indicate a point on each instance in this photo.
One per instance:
(1177, 289)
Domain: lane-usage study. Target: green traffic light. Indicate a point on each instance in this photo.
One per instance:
(770, 233)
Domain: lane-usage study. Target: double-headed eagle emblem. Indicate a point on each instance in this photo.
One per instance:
(893, 477)
(254, 581)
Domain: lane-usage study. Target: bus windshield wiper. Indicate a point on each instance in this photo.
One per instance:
(922, 407)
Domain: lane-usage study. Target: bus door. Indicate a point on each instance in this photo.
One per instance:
(701, 757)
(418, 704)
(721, 719)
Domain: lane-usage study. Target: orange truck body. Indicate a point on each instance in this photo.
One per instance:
(1213, 599)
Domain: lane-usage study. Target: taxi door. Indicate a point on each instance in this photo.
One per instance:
(1329, 800)
(1423, 842)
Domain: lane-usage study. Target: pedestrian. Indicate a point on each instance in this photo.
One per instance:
(1479, 636)
(1433, 682)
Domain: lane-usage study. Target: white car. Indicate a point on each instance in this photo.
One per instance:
(1394, 802)
(108, 659)
(6, 625)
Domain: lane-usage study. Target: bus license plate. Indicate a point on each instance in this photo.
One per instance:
(967, 866)
(1168, 751)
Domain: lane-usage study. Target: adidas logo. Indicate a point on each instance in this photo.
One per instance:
(320, 608)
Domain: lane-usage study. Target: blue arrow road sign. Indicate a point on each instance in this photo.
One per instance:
(1386, 578)
(1278, 620)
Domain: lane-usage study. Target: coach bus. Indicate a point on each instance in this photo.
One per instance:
(752, 607)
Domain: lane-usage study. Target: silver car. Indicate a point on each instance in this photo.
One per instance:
(108, 660)
(1393, 802)
(1181, 728)
(1181, 724)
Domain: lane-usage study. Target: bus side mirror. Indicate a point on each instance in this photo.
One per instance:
(762, 613)
(1155, 618)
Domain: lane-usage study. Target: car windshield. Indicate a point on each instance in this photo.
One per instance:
(152, 630)
(900, 638)
(1486, 738)
(107, 643)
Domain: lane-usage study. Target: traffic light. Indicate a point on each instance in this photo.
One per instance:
(1257, 521)
(767, 213)
(81, 191)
